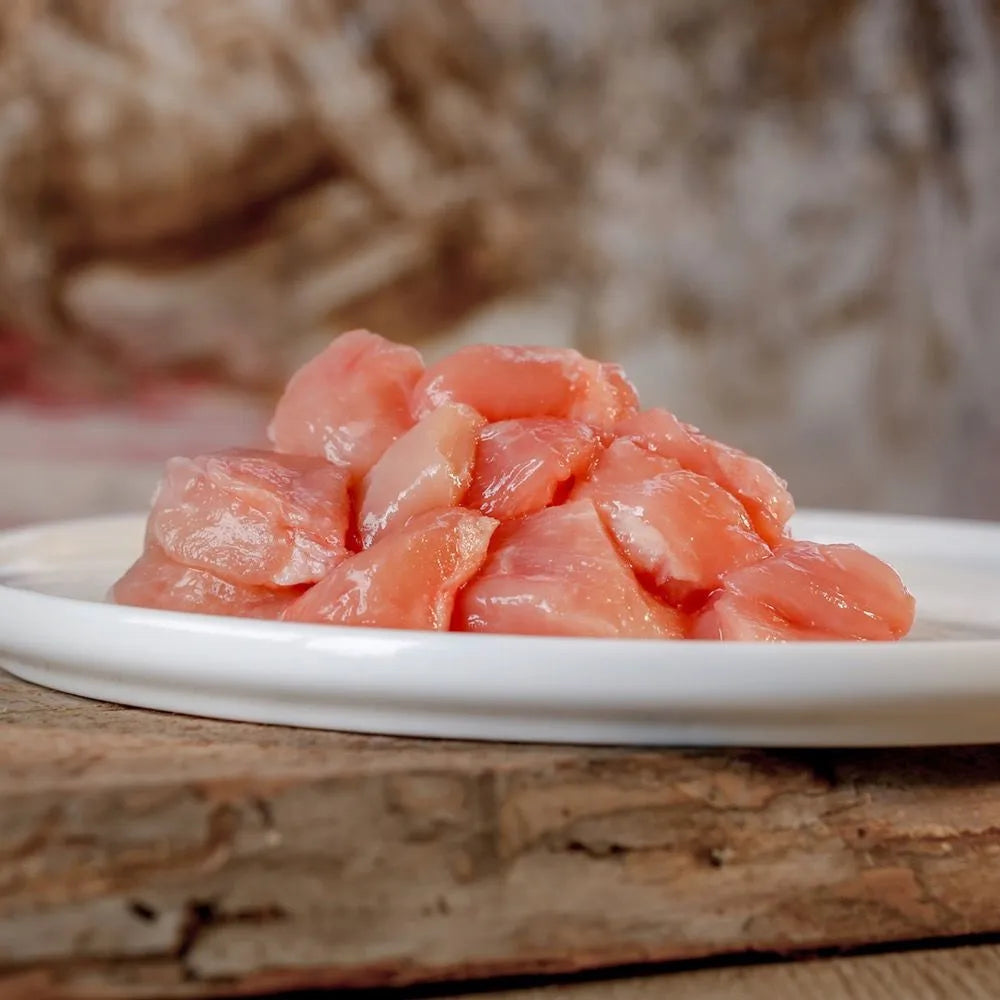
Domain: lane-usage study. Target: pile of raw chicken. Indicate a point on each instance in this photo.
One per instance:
(504, 489)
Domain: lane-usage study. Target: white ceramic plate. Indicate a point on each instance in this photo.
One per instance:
(940, 686)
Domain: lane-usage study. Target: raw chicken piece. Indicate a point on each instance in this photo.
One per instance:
(407, 579)
(679, 530)
(505, 383)
(429, 467)
(253, 517)
(808, 589)
(349, 403)
(156, 581)
(736, 618)
(661, 524)
(521, 464)
(610, 398)
(762, 493)
(557, 572)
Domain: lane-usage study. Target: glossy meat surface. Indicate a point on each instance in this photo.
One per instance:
(504, 383)
(407, 579)
(156, 581)
(349, 403)
(430, 466)
(679, 530)
(557, 572)
(522, 464)
(253, 517)
(505, 489)
(810, 590)
(764, 494)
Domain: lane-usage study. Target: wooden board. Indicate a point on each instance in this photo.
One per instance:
(145, 854)
(969, 973)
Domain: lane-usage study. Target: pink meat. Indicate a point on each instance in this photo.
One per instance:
(829, 591)
(156, 581)
(557, 572)
(521, 464)
(736, 618)
(253, 517)
(615, 522)
(429, 467)
(349, 403)
(407, 579)
(505, 383)
(677, 529)
(609, 399)
(764, 495)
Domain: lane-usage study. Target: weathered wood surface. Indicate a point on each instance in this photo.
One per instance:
(969, 973)
(144, 854)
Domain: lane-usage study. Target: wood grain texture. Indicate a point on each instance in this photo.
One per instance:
(144, 854)
(971, 973)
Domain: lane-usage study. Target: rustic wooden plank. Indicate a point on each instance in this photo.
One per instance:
(972, 973)
(146, 854)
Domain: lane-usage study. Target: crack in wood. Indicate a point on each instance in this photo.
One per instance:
(143, 910)
(201, 916)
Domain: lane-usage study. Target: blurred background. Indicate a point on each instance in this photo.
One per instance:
(782, 217)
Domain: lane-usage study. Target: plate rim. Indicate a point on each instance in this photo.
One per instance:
(603, 691)
(156, 618)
